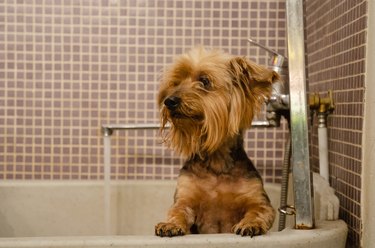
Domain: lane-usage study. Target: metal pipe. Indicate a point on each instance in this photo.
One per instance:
(107, 131)
(302, 176)
(107, 182)
(130, 126)
(109, 128)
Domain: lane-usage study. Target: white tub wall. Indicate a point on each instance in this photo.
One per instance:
(29, 209)
(66, 209)
(368, 168)
(149, 204)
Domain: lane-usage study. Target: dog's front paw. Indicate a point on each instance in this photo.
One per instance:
(169, 230)
(249, 229)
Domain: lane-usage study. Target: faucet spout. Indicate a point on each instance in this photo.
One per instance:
(278, 104)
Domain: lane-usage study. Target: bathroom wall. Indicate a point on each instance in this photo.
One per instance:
(69, 66)
(336, 52)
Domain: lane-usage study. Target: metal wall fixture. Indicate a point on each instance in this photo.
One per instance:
(108, 129)
(302, 176)
(278, 104)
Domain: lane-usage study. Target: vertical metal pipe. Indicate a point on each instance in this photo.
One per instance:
(107, 184)
(302, 177)
(107, 132)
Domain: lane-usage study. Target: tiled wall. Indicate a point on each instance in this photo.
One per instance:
(336, 45)
(69, 66)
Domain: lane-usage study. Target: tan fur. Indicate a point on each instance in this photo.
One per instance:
(209, 98)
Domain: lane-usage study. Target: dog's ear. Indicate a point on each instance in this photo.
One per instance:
(252, 86)
(245, 71)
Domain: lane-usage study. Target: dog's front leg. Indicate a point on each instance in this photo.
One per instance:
(257, 220)
(180, 218)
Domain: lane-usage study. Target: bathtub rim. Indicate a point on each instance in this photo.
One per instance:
(326, 231)
(117, 182)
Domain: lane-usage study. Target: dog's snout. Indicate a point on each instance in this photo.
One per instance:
(172, 102)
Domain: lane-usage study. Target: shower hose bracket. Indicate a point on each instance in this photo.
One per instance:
(287, 209)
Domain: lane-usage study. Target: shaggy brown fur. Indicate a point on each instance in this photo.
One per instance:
(209, 98)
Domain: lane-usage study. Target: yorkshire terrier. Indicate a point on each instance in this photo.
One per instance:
(209, 98)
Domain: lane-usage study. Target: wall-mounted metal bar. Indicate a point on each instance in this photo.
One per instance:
(303, 193)
(109, 128)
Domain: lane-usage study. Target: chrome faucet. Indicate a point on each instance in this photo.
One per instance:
(278, 104)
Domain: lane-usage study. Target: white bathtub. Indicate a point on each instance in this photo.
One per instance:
(71, 214)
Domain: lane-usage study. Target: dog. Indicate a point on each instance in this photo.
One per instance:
(208, 98)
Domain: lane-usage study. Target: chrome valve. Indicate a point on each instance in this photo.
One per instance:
(278, 104)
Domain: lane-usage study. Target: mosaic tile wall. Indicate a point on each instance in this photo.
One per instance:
(69, 66)
(336, 45)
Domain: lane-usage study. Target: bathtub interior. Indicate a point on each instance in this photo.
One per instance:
(41, 209)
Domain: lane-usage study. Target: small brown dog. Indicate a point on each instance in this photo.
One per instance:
(209, 98)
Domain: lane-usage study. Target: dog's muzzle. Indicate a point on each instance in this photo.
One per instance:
(172, 102)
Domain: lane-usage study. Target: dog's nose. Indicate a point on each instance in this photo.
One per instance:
(172, 102)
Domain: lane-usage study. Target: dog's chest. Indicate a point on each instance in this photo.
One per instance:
(220, 188)
(221, 204)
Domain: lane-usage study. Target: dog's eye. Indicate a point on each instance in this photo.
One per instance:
(205, 81)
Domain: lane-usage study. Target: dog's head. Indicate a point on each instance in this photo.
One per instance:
(209, 97)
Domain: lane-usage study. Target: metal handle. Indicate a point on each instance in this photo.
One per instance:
(277, 58)
(251, 41)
